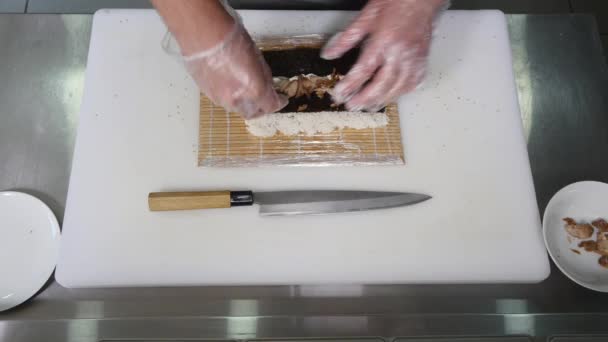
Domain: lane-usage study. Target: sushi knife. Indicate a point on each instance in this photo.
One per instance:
(280, 203)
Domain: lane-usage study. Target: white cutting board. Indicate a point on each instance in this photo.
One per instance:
(464, 145)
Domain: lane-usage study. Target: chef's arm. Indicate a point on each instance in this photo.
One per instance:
(197, 25)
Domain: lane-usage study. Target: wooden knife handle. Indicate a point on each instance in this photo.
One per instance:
(168, 201)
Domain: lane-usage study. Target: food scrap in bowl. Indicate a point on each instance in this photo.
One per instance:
(582, 230)
(602, 247)
(588, 246)
(601, 225)
(578, 230)
(603, 261)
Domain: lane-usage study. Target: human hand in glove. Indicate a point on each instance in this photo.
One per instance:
(396, 37)
(221, 57)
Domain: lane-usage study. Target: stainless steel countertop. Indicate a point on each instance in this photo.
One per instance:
(562, 81)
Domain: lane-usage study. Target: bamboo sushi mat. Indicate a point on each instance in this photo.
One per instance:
(225, 142)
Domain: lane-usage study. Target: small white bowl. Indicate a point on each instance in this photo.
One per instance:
(29, 247)
(582, 201)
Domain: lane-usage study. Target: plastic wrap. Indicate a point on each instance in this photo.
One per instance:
(225, 140)
(396, 38)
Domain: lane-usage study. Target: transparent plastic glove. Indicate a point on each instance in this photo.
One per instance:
(233, 74)
(396, 36)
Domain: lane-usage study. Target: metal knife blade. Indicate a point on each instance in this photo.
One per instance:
(326, 201)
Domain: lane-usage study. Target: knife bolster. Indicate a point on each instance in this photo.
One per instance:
(241, 198)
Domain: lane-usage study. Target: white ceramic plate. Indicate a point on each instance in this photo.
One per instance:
(29, 247)
(582, 201)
